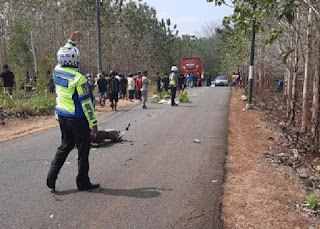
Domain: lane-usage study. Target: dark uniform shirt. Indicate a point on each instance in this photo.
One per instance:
(8, 78)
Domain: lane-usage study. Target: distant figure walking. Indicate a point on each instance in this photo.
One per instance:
(7, 77)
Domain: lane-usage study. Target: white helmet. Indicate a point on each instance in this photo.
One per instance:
(174, 69)
(68, 57)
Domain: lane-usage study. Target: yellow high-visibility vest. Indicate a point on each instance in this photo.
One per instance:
(172, 81)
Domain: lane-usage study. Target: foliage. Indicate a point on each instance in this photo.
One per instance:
(313, 200)
(33, 106)
(19, 53)
(44, 74)
(184, 98)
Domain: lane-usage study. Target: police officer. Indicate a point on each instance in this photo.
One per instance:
(75, 113)
(173, 84)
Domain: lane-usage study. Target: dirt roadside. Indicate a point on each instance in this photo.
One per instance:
(256, 193)
(21, 127)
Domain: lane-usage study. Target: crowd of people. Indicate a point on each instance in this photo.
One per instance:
(184, 81)
(115, 86)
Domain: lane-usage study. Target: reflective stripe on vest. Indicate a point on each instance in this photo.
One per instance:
(172, 81)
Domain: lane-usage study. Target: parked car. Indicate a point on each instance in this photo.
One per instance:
(221, 81)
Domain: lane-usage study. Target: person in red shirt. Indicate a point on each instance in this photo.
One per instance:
(139, 85)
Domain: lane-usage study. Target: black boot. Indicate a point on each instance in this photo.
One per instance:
(51, 184)
(89, 187)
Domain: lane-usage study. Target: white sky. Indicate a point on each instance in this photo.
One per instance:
(190, 15)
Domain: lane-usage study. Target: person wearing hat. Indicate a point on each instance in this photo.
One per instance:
(75, 114)
(173, 84)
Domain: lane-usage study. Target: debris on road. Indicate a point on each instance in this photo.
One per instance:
(162, 101)
(196, 140)
(244, 98)
(51, 216)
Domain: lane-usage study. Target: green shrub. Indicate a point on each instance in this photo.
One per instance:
(184, 98)
(31, 104)
(313, 200)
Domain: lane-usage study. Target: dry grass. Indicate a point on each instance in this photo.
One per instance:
(258, 194)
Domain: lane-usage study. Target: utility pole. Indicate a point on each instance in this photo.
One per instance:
(251, 70)
(98, 24)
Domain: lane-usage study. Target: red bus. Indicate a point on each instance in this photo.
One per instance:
(191, 64)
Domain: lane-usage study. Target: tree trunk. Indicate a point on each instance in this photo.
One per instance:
(307, 76)
(289, 88)
(34, 54)
(295, 73)
(315, 101)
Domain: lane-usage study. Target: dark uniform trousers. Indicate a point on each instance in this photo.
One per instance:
(173, 94)
(74, 132)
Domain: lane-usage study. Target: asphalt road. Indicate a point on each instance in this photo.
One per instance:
(157, 178)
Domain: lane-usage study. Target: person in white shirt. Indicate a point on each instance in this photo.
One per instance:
(145, 88)
(131, 83)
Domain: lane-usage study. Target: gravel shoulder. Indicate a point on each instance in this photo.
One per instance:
(258, 194)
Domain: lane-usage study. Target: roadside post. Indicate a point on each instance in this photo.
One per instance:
(251, 69)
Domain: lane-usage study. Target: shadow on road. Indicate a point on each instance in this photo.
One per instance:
(110, 143)
(142, 193)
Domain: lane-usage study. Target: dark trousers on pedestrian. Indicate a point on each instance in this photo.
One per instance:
(74, 132)
(131, 94)
(144, 97)
(173, 94)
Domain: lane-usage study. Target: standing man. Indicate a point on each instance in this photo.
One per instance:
(191, 80)
(114, 90)
(181, 81)
(7, 77)
(131, 84)
(75, 114)
(145, 88)
(165, 81)
(139, 86)
(234, 79)
(102, 88)
(124, 86)
(158, 80)
(173, 84)
(91, 88)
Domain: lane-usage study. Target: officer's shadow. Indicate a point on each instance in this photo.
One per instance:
(142, 193)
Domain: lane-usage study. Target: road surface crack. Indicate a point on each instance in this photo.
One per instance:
(180, 220)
